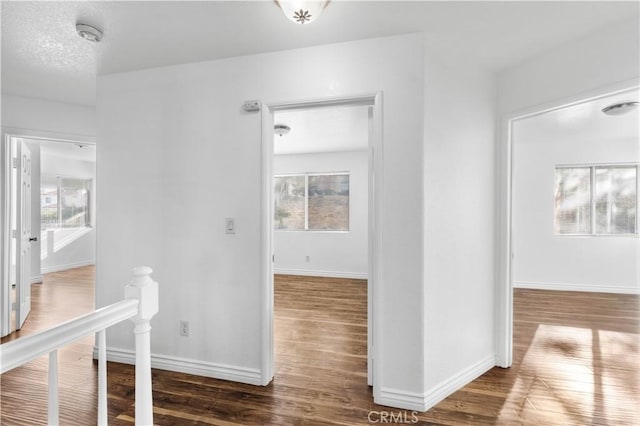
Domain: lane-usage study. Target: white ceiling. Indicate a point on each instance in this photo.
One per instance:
(584, 122)
(42, 56)
(326, 129)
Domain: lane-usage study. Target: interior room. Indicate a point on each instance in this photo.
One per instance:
(205, 223)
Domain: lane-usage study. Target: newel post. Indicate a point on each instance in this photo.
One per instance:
(143, 288)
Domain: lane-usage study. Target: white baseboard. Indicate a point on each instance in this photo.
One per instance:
(455, 383)
(37, 279)
(58, 268)
(577, 287)
(401, 399)
(328, 274)
(249, 376)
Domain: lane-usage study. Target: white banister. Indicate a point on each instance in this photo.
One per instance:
(53, 388)
(140, 305)
(25, 349)
(102, 378)
(143, 288)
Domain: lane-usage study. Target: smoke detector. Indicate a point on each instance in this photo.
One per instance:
(89, 32)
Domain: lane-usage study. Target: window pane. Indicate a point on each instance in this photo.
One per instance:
(616, 200)
(329, 202)
(48, 202)
(288, 195)
(573, 201)
(74, 202)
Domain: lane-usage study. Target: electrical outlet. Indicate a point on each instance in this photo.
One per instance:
(184, 328)
(308, 258)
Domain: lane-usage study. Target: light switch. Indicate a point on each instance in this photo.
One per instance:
(229, 225)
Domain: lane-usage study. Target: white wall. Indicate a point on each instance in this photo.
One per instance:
(177, 155)
(561, 262)
(42, 116)
(459, 211)
(81, 250)
(600, 59)
(332, 254)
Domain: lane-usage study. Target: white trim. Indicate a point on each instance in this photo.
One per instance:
(66, 266)
(36, 279)
(234, 373)
(401, 399)
(595, 288)
(504, 296)
(328, 274)
(458, 381)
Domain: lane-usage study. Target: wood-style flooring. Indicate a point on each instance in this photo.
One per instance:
(575, 363)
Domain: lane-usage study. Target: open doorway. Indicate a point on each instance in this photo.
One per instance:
(578, 135)
(320, 239)
(319, 210)
(50, 197)
(571, 254)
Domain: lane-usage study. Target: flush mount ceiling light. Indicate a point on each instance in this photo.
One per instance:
(89, 32)
(620, 108)
(302, 11)
(281, 129)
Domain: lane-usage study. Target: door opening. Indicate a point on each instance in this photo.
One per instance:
(512, 127)
(314, 189)
(49, 226)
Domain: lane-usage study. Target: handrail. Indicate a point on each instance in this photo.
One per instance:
(140, 305)
(25, 349)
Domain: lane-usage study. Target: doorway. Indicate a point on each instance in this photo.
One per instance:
(372, 106)
(49, 221)
(560, 115)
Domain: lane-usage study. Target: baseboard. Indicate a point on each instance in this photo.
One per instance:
(233, 373)
(328, 274)
(576, 287)
(401, 399)
(455, 383)
(37, 279)
(58, 268)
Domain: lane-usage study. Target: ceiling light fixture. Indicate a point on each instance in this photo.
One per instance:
(620, 108)
(302, 11)
(89, 32)
(281, 129)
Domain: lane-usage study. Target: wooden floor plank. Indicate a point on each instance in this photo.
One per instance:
(575, 363)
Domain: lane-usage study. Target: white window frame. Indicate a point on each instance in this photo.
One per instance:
(306, 201)
(59, 179)
(592, 200)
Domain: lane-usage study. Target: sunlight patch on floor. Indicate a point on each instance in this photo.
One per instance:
(574, 373)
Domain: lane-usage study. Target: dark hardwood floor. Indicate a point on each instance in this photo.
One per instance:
(575, 363)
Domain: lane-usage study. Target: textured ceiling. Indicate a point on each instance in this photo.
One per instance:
(43, 57)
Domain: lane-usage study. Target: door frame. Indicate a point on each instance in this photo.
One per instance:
(504, 293)
(9, 133)
(374, 100)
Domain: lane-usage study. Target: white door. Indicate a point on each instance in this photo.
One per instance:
(23, 235)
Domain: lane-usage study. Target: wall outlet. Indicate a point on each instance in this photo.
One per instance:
(308, 258)
(184, 328)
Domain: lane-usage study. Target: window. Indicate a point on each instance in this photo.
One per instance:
(596, 200)
(312, 202)
(64, 202)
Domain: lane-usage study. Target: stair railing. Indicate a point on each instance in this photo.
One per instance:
(139, 305)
